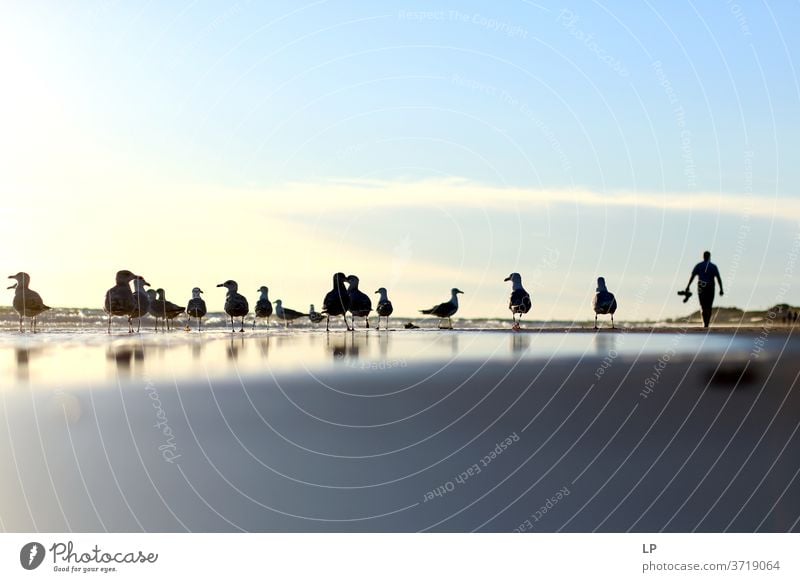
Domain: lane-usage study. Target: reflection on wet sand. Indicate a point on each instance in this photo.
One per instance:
(46, 361)
(124, 357)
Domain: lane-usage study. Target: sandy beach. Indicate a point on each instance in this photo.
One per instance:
(550, 430)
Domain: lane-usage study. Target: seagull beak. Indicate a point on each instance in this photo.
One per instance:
(221, 285)
(14, 286)
(145, 283)
(200, 290)
(507, 278)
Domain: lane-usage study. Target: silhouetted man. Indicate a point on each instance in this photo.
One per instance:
(706, 272)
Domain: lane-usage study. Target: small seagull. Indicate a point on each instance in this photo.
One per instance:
(235, 303)
(286, 314)
(520, 301)
(384, 308)
(314, 316)
(141, 302)
(166, 309)
(360, 303)
(445, 310)
(27, 303)
(263, 306)
(119, 299)
(153, 308)
(337, 301)
(196, 308)
(604, 302)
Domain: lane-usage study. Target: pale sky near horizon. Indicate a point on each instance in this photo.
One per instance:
(419, 145)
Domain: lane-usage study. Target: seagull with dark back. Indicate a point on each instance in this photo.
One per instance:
(360, 303)
(27, 302)
(384, 308)
(520, 301)
(337, 301)
(166, 309)
(141, 302)
(119, 299)
(196, 308)
(314, 316)
(235, 303)
(286, 315)
(445, 310)
(263, 306)
(604, 302)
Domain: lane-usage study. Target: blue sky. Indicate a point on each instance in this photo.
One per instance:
(624, 138)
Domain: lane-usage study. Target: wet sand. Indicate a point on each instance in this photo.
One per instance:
(547, 430)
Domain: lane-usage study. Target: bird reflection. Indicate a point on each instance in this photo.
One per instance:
(124, 356)
(23, 357)
(234, 347)
(520, 342)
(197, 350)
(263, 347)
(344, 348)
(605, 343)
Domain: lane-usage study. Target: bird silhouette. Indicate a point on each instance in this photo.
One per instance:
(384, 307)
(235, 303)
(263, 306)
(604, 302)
(27, 302)
(196, 308)
(119, 299)
(445, 310)
(360, 303)
(520, 301)
(337, 301)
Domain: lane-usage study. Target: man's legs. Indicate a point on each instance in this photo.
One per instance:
(706, 296)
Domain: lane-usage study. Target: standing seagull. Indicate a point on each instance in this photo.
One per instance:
(286, 314)
(119, 299)
(360, 303)
(313, 315)
(263, 306)
(141, 302)
(235, 303)
(337, 301)
(167, 309)
(445, 310)
(384, 308)
(27, 303)
(153, 308)
(520, 300)
(604, 302)
(196, 308)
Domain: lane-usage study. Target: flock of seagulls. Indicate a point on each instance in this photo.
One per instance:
(344, 297)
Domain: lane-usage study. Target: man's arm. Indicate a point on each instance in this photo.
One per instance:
(719, 279)
(689, 284)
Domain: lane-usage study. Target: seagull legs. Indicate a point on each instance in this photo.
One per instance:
(242, 328)
(612, 321)
(595, 321)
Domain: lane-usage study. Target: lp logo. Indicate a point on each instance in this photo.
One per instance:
(31, 555)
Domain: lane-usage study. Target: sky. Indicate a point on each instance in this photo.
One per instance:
(419, 145)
